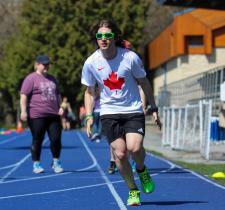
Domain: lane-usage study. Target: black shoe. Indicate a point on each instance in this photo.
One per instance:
(95, 136)
(112, 168)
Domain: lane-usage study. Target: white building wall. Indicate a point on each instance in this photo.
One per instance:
(186, 66)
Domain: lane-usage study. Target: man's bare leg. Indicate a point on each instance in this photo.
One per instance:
(121, 158)
(136, 149)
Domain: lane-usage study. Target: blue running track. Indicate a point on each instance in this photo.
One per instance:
(86, 185)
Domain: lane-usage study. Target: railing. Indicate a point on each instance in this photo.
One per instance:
(188, 127)
(205, 86)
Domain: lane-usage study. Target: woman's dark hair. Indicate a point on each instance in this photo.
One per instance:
(108, 24)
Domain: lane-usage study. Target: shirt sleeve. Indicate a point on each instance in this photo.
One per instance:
(27, 86)
(137, 66)
(87, 77)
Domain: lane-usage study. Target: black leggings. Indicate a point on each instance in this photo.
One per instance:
(38, 127)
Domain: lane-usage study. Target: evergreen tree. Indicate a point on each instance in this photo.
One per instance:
(60, 29)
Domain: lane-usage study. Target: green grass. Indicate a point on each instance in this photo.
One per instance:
(204, 169)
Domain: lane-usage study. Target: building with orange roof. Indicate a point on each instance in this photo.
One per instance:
(191, 45)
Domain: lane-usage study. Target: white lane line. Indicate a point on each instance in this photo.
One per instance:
(33, 178)
(192, 172)
(13, 138)
(57, 191)
(8, 166)
(18, 164)
(9, 140)
(164, 171)
(109, 184)
(207, 180)
(48, 176)
(61, 190)
(85, 169)
(14, 169)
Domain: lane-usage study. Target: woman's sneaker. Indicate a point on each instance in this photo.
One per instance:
(146, 182)
(37, 168)
(56, 166)
(134, 198)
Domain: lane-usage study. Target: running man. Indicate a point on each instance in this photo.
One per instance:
(117, 72)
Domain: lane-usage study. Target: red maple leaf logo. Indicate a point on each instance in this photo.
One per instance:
(114, 82)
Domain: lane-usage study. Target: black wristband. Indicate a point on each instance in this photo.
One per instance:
(153, 109)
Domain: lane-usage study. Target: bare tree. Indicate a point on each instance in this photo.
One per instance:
(159, 17)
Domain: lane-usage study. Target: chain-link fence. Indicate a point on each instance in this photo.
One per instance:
(204, 86)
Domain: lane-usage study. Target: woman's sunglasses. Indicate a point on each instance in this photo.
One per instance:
(105, 35)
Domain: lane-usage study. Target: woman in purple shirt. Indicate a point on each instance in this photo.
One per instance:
(40, 106)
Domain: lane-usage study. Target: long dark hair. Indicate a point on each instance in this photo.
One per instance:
(108, 24)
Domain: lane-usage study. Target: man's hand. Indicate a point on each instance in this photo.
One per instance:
(89, 123)
(157, 120)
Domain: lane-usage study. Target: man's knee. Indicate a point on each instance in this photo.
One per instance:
(136, 150)
(120, 155)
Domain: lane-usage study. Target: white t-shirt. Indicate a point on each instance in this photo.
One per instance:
(116, 78)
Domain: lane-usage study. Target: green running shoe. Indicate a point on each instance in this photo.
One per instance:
(146, 182)
(134, 198)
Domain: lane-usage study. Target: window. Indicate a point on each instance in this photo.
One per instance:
(194, 41)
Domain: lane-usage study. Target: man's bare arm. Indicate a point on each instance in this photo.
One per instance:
(146, 87)
(89, 102)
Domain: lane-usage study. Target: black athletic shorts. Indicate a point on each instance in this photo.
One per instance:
(115, 126)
